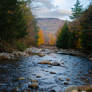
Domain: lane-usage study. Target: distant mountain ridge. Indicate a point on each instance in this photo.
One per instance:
(50, 24)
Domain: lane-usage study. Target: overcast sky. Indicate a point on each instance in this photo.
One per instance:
(54, 8)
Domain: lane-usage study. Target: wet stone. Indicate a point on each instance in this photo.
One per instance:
(33, 80)
(74, 91)
(66, 83)
(21, 78)
(34, 85)
(38, 76)
(45, 62)
(52, 91)
(55, 64)
(41, 55)
(60, 79)
(52, 72)
(67, 79)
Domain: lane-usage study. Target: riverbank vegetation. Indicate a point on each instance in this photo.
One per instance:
(18, 28)
(77, 34)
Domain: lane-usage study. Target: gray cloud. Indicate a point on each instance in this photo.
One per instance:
(46, 9)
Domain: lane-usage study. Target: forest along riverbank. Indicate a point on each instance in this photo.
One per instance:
(46, 70)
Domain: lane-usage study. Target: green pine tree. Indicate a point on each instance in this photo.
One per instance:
(63, 39)
(77, 10)
(86, 23)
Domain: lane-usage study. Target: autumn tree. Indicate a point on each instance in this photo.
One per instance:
(41, 38)
(77, 10)
(52, 39)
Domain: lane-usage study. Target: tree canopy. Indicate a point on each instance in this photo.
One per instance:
(77, 10)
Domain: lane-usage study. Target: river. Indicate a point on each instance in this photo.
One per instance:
(19, 74)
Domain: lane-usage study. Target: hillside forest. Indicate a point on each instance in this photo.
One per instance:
(77, 34)
(18, 27)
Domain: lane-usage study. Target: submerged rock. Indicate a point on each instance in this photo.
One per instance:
(68, 79)
(74, 91)
(21, 78)
(52, 72)
(52, 91)
(66, 83)
(38, 76)
(60, 79)
(55, 64)
(45, 62)
(34, 80)
(40, 55)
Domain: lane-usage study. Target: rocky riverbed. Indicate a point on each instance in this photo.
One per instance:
(44, 70)
(15, 55)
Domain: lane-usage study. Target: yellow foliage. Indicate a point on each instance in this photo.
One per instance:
(10, 12)
(79, 43)
(41, 38)
(52, 39)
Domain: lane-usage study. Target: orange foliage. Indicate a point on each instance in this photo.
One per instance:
(10, 12)
(41, 38)
(52, 39)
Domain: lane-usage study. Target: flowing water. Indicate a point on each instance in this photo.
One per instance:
(19, 74)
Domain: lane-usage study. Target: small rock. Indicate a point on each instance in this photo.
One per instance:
(35, 85)
(38, 76)
(68, 79)
(45, 62)
(33, 80)
(60, 79)
(90, 59)
(21, 78)
(52, 91)
(52, 72)
(55, 64)
(66, 83)
(74, 91)
(41, 55)
(49, 66)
